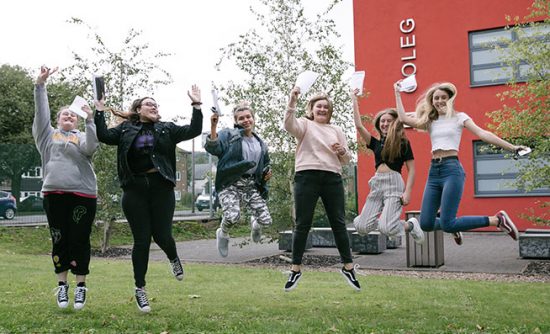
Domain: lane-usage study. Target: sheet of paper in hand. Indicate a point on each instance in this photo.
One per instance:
(77, 105)
(408, 85)
(98, 84)
(356, 81)
(305, 80)
(215, 104)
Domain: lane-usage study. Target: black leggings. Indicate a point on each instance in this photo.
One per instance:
(70, 219)
(309, 185)
(148, 204)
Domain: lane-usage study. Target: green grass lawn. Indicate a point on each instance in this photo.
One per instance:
(237, 299)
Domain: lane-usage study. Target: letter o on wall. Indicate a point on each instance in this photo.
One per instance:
(408, 69)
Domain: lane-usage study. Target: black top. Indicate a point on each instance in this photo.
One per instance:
(139, 155)
(166, 135)
(406, 154)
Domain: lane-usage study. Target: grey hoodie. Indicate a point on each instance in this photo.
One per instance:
(66, 156)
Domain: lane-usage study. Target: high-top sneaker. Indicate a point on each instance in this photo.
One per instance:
(62, 293)
(177, 268)
(142, 301)
(79, 297)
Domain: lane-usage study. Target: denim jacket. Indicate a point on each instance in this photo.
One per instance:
(167, 135)
(231, 166)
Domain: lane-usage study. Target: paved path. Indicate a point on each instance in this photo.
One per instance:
(482, 252)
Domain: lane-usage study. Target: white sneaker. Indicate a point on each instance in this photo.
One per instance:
(256, 232)
(416, 232)
(222, 242)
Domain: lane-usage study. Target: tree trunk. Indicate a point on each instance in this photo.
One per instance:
(107, 230)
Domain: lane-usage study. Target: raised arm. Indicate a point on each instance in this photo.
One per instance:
(489, 137)
(357, 118)
(291, 123)
(91, 143)
(403, 117)
(41, 126)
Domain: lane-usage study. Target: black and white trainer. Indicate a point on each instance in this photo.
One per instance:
(349, 275)
(177, 268)
(293, 279)
(142, 301)
(62, 294)
(79, 297)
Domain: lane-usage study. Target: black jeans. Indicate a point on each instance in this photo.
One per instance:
(309, 185)
(148, 204)
(70, 219)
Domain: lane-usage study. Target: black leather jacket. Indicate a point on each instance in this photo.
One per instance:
(167, 135)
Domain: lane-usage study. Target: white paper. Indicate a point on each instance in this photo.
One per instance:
(356, 81)
(524, 151)
(77, 105)
(408, 84)
(305, 80)
(215, 103)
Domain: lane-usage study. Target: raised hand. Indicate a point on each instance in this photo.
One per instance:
(294, 93)
(45, 72)
(195, 94)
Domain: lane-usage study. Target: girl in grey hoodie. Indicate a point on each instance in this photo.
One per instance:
(69, 188)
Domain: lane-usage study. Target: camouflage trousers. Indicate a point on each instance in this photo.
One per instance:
(243, 191)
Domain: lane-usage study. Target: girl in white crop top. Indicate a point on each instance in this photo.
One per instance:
(435, 113)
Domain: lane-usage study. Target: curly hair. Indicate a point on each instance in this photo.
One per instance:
(425, 110)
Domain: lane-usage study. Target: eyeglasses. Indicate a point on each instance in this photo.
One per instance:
(151, 104)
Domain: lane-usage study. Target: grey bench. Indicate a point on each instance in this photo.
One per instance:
(535, 243)
(285, 241)
(372, 243)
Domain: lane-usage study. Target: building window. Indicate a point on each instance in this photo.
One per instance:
(495, 173)
(177, 193)
(487, 65)
(33, 173)
(178, 175)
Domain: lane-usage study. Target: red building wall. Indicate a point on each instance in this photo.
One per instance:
(440, 54)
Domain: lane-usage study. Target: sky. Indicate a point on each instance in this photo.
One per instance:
(36, 32)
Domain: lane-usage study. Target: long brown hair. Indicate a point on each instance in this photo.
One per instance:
(395, 136)
(132, 114)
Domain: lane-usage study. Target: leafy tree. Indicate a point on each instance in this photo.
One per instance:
(286, 43)
(128, 71)
(18, 153)
(524, 115)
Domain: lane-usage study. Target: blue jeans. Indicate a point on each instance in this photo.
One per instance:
(443, 191)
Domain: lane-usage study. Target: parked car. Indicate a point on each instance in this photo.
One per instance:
(8, 205)
(31, 203)
(203, 202)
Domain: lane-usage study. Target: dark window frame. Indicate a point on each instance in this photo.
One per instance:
(498, 175)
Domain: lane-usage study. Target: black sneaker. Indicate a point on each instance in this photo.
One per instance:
(293, 279)
(350, 278)
(79, 297)
(62, 293)
(142, 301)
(177, 268)
(457, 236)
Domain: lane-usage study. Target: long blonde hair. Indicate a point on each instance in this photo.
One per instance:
(425, 110)
(395, 136)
